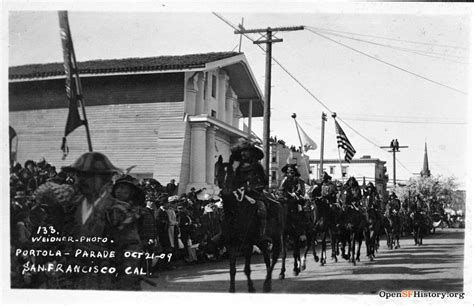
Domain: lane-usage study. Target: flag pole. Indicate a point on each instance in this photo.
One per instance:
(79, 96)
(301, 144)
(338, 150)
(321, 158)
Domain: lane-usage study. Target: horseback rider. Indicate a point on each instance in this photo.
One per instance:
(250, 179)
(328, 189)
(292, 186)
(372, 198)
(393, 205)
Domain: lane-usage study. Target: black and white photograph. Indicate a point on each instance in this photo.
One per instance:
(295, 151)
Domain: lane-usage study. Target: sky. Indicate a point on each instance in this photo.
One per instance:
(375, 99)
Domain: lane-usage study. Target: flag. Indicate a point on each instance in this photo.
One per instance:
(308, 143)
(73, 118)
(344, 143)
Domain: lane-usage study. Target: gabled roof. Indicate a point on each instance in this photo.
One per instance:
(128, 65)
(234, 63)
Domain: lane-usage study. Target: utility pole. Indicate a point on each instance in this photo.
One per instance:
(394, 145)
(267, 38)
(321, 161)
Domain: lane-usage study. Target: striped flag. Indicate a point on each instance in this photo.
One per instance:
(73, 118)
(344, 143)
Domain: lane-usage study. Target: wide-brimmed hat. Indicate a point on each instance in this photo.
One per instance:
(127, 180)
(245, 144)
(28, 162)
(138, 194)
(292, 166)
(93, 162)
(326, 176)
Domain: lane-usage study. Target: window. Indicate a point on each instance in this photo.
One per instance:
(274, 176)
(331, 169)
(344, 171)
(274, 157)
(214, 86)
(213, 113)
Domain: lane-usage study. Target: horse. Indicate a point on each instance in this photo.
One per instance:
(354, 219)
(372, 231)
(297, 222)
(241, 231)
(393, 229)
(418, 219)
(309, 213)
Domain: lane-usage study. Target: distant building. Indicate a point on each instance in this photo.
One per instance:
(363, 169)
(425, 172)
(171, 116)
(282, 155)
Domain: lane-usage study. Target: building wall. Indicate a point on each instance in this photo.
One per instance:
(125, 114)
(127, 134)
(280, 156)
(371, 169)
(135, 120)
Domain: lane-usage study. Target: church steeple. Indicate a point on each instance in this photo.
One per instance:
(425, 172)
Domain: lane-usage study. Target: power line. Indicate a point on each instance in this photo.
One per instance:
(387, 63)
(393, 39)
(414, 51)
(404, 121)
(304, 87)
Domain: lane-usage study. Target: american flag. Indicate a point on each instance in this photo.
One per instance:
(344, 143)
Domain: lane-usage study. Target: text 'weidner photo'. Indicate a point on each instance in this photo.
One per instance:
(314, 153)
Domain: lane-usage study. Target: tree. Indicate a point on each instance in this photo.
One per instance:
(442, 189)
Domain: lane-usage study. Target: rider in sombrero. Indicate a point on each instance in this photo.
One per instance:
(250, 175)
(372, 198)
(292, 186)
(393, 205)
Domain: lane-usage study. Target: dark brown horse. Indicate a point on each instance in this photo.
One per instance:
(298, 223)
(354, 220)
(418, 220)
(326, 218)
(241, 231)
(393, 229)
(374, 226)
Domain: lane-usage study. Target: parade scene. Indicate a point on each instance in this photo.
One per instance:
(318, 153)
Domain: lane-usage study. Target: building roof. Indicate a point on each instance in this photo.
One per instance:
(354, 161)
(425, 172)
(158, 63)
(235, 64)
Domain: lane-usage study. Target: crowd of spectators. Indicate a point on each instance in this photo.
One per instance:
(186, 225)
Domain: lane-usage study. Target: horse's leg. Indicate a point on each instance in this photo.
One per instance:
(232, 260)
(367, 242)
(283, 257)
(420, 235)
(359, 240)
(352, 247)
(334, 245)
(323, 248)
(296, 256)
(247, 270)
(276, 249)
(309, 242)
(314, 242)
(388, 232)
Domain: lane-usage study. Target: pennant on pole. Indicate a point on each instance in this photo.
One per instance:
(73, 119)
(344, 143)
(308, 143)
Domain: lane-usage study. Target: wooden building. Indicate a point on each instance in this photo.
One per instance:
(171, 116)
